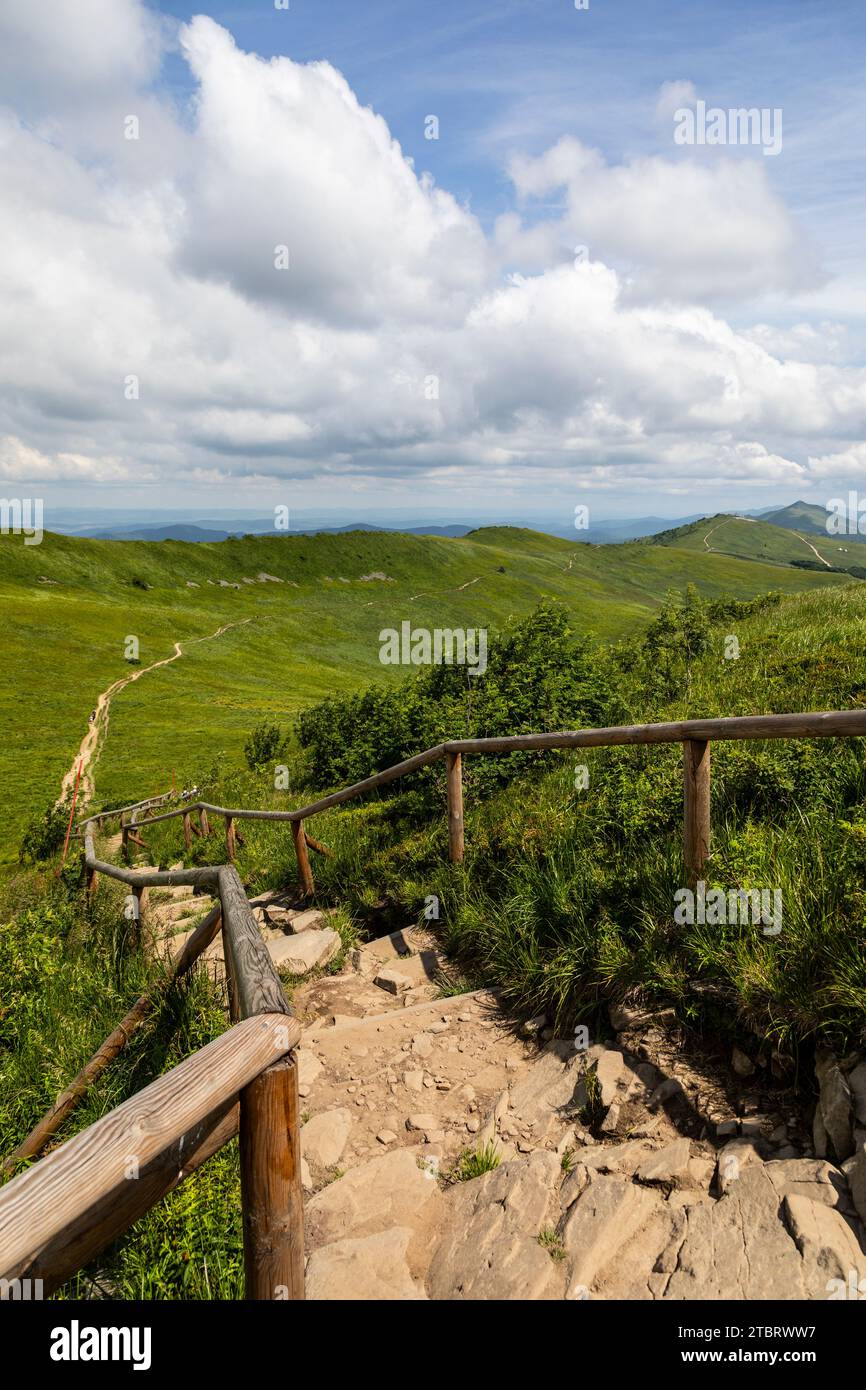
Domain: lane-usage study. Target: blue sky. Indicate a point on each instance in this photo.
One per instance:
(521, 73)
(716, 341)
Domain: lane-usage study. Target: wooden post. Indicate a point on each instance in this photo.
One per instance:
(203, 821)
(696, 808)
(454, 764)
(273, 1211)
(124, 842)
(140, 895)
(187, 830)
(305, 873)
(92, 883)
(230, 839)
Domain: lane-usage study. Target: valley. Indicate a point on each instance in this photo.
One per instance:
(304, 613)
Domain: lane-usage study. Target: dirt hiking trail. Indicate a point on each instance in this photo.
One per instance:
(97, 729)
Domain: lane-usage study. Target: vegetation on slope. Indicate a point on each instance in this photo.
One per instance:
(566, 896)
(748, 538)
(70, 604)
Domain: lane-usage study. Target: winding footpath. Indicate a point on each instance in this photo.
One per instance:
(98, 728)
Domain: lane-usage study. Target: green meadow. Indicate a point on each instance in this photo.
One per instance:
(69, 605)
(565, 898)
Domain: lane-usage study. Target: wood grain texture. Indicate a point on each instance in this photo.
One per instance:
(454, 764)
(273, 1208)
(257, 983)
(88, 1180)
(305, 872)
(829, 724)
(696, 808)
(90, 1232)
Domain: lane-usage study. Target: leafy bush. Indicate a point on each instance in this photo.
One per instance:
(264, 744)
(44, 835)
(539, 676)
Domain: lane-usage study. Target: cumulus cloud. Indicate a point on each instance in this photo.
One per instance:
(21, 463)
(286, 157)
(847, 465)
(55, 53)
(690, 229)
(150, 335)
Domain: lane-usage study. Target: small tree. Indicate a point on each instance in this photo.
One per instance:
(44, 835)
(264, 745)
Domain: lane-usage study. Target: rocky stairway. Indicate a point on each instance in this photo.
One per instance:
(625, 1170)
(637, 1167)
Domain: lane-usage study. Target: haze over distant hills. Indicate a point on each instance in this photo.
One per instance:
(191, 526)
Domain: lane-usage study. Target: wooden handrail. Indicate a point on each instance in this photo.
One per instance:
(689, 732)
(182, 1118)
(267, 1115)
(53, 1120)
(71, 1204)
(823, 724)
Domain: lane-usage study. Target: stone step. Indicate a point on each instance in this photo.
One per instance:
(387, 950)
(309, 950)
(410, 972)
(276, 918)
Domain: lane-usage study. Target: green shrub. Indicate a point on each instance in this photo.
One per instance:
(540, 675)
(264, 745)
(44, 835)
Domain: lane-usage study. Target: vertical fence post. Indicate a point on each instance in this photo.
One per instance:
(273, 1212)
(304, 870)
(696, 808)
(203, 821)
(187, 830)
(92, 883)
(124, 841)
(454, 764)
(230, 839)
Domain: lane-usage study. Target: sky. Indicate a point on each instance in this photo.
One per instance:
(452, 259)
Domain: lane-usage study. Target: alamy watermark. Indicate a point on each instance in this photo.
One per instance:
(419, 646)
(729, 907)
(22, 516)
(853, 1288)
(846, 515)
(77, 1343)
(738, 126)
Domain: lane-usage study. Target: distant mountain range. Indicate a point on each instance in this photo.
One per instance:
(798, 516)
(186, 531)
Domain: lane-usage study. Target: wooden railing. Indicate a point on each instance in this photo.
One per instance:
(695, 735)
(62, 1212)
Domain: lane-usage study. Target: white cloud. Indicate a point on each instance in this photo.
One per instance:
(21, 463)
(287, 156)
(554, 374)
(50, 53)
(691, 229)
(847, 465)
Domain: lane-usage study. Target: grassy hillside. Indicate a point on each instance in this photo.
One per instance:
(70, 603)
(758, 540)
(808, 519)
(565, 899)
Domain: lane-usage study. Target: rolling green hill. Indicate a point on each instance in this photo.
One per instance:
(806, 518)
(768, 542)
(306, 614)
